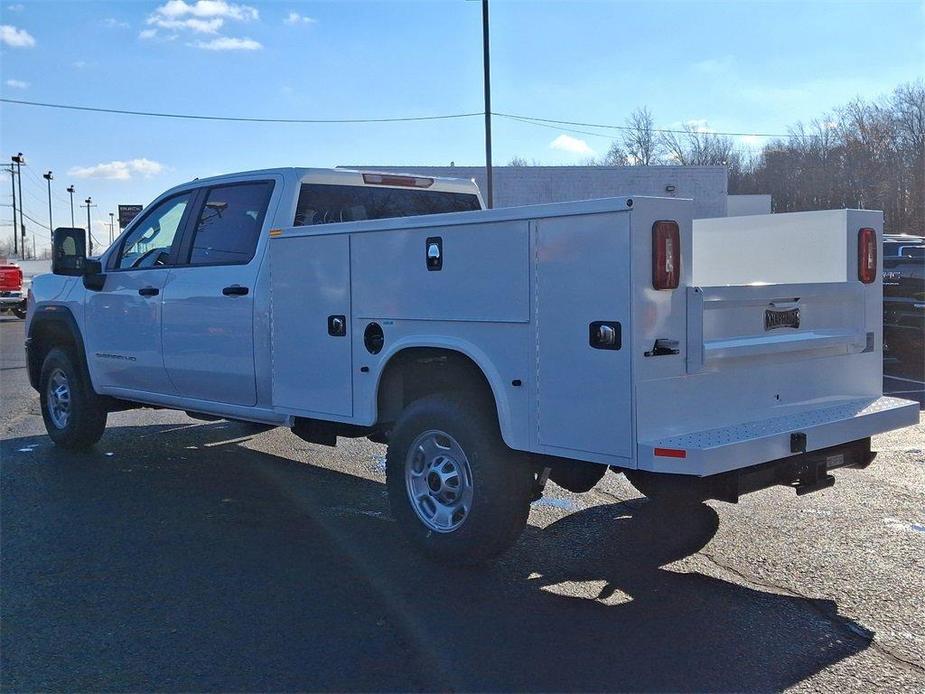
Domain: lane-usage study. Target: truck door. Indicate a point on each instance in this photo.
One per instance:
(582, 315)
(123, 318)
(311, 324)
(208, 326)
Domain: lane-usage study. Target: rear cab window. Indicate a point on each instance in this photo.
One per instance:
(229, 223)
(323, 203)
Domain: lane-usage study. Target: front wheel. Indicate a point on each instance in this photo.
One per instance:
(74, 416)
(19, 313)
(456, 490)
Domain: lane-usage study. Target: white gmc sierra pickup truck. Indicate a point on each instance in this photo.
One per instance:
(491, 349)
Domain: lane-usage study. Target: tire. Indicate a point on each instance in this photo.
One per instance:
(20, 313)
(74, 415)
(441, 438)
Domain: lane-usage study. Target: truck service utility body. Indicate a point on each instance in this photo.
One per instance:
(696, 382)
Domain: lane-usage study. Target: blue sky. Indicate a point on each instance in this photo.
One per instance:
(738, 66)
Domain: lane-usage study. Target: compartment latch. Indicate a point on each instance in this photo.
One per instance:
(663, 347)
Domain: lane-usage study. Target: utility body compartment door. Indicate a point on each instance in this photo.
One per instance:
(582, 278)
(310, 279)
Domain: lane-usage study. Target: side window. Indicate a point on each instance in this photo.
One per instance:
(149, 243)
(229, 225)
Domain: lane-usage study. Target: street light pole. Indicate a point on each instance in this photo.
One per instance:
(48, 177)
(19, 160)
(13, 183)
(89, 204)
(486, 64)
(112, 227)
(72, 190)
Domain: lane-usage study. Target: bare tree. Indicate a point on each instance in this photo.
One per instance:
(640, 140)
(615, 156)
(865, 154)
(698, 147)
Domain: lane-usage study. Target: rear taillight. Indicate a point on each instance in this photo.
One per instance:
(867, 255)
(666, 255)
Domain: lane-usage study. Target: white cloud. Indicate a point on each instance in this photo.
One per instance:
(567, 143)
(119, 170)
(699, 125)
(227, 43)
(296, 18)
(712, 66)
(206, 9)
(201, 17)
(17, 84)
(200, 26)
(15, 8)
(17, 38)
(112, 23)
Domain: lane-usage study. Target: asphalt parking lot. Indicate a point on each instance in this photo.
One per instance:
(182, 555)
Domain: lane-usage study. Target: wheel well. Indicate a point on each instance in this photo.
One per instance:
(416, 372)
(44, 336)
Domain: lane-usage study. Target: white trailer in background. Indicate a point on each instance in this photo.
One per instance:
(495, 349)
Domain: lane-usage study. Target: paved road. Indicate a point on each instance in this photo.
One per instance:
(201, 556)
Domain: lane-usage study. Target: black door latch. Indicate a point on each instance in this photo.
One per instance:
(605, 334)
(663, 347)
(337, 326)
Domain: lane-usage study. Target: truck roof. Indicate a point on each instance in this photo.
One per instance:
(345, 177)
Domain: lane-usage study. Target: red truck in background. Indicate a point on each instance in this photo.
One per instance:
(12, 298)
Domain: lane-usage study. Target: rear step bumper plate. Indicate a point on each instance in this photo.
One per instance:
(713, 451)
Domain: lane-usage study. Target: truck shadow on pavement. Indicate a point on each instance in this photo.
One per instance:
(186, 560)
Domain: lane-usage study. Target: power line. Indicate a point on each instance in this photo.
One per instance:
(627, 127)
(556, 127)
(404, 119)
(189, 116)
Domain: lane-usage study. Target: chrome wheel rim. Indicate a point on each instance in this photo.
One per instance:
(58, 398)
(439, 481)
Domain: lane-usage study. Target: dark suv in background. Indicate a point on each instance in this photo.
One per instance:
(904, 305)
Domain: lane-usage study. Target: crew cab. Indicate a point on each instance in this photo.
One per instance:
(491, 350)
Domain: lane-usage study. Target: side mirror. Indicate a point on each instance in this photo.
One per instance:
(69, 252)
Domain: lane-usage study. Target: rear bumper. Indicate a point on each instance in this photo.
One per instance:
(721, 450)
(11, 299)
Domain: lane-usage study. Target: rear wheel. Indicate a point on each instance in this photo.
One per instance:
(19, 313)
(456, 490)
(74, 415)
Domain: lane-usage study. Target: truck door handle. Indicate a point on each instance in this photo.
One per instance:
(149, 291)
(235, 290)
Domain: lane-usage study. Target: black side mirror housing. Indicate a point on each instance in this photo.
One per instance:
(69, 252)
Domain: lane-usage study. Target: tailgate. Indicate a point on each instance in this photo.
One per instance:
(730, 327)
(778, 335)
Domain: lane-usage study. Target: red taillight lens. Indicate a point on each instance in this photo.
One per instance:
(867, 255)
(666, 255)
(391, 180)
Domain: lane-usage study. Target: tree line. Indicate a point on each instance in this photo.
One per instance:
(867, 154)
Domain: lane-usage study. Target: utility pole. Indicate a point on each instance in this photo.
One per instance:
(112, 227)
(13, 183)
(486, 64)
(72, 190)
(48, 177)
(89, 204)
(19, 160)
